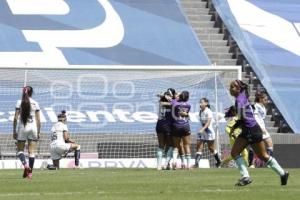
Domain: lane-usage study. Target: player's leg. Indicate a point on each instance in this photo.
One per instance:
(182, 155)
(259, 149)
(245, 156)
(227, 159)
(31, 151)
(199, 149)
(176, 143)
(187, 149)
(238, 146)
(169, 148)
(269, 145)
(160, 149)
(212, 149)
(76, 148)
(21, 156)
(251, 158)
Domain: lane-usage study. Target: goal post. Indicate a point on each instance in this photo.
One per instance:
(112, 110)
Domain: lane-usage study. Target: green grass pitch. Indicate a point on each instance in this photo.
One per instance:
(140, 184)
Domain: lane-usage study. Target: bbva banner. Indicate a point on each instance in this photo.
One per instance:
(61, 33)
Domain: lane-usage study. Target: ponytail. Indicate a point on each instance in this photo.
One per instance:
(25, 105)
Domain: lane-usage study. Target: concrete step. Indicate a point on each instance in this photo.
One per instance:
(210, 36)
(193, 11)
(219, 56)
(217, 49)
(272, 129)
(197, 23)
(211, 43)
(269, 123)
(199, 17)
(206, 30)
(193, 4)
(229, 62)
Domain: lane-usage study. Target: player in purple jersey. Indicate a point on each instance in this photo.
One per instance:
(181, 127)
(251, 134)
(164, 128)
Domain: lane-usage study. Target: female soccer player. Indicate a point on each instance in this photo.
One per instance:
(261, 99)
(164, 129)
(232, 119)
(260, 113)
(181, 127)
(251, 134)
(206, 133)
(27, 126)
(61, 143)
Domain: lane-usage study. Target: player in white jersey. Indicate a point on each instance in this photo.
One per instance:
(26, 127)
(206, 133)
(61, 144)
(260, 113)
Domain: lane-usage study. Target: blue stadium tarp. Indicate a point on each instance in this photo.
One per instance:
(98, 32)
(268, 33)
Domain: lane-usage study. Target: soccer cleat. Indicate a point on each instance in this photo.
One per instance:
(174, 165)
(218, 164)
(26, 171)
(183, 166)
(159, 168)
(252, 166)
(168, 167)
(284, 178)
(29, 176)
(244, 181)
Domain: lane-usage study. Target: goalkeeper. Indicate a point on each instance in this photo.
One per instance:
(233, 132)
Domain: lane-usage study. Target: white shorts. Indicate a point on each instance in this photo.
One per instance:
(266, 135)
(29, 132)
(207, 135)
(57, 150)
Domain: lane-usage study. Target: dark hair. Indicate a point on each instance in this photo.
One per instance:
(230, 112)
(62, 115)
(184, 96)
(243, 86)
(25, 104)
(172, 92)
(259, 95)
(163, 98)
(206, 101)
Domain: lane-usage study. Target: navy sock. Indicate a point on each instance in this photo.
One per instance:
(250, 157)
(22, 158)
(198, 158)
(270, 151)
(77, 157)
(217, 157)
(31, 163)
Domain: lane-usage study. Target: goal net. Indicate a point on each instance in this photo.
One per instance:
(112, 111)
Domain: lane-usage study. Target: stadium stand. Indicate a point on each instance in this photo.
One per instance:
(222, 49)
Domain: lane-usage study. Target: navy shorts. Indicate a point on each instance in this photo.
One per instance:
(164, 128)
(181, 131)
(252, 135)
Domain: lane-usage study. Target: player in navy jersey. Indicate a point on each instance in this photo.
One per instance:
(181, 127)
(164, 129)
(251, 134)
(26, 127)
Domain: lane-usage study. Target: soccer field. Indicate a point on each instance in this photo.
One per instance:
(146, 184)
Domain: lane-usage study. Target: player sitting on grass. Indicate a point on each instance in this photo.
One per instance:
(61, 144)
(233, 133)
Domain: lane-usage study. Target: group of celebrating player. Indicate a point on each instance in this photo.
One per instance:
(245, 128)
(27, 126)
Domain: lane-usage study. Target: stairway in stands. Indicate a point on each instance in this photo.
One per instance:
(223, 50)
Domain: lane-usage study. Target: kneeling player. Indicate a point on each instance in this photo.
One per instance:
(61, 144)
